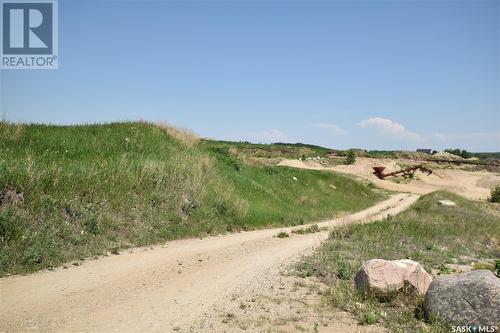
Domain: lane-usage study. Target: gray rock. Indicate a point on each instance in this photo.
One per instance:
(465, 299)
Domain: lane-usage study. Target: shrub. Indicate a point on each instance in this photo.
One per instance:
(351, 157)
(495, 194)
(282, 234)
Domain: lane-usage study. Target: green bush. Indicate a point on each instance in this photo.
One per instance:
(351, 157)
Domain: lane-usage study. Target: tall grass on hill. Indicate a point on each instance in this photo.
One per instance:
(71, 192)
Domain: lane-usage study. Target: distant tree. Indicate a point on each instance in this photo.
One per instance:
(463, 153)
(351, 157)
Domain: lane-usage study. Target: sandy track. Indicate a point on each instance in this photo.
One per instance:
(164, 288)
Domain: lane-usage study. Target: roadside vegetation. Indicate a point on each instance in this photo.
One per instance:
(495, 194)
(72, 192)
(442, 239)
(309, 230)
(282, 234)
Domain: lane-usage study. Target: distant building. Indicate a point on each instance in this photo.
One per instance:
(426, 151)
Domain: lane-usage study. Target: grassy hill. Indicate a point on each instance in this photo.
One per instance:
(71, 192)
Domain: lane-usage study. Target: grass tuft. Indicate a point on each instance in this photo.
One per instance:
(282, 234)
(309, 230)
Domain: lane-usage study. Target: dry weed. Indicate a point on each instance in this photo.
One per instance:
(184, 136)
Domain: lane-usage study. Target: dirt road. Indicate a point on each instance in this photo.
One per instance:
(164, 288)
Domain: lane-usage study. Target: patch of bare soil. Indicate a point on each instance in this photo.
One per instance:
(290, 304)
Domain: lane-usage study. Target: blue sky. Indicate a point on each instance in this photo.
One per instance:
(367, 74)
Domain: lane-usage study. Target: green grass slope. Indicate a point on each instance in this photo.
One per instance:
(275, 150)
(437, 237)
(71, 192)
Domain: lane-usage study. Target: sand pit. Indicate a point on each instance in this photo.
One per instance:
(310, 165)
(472, 185)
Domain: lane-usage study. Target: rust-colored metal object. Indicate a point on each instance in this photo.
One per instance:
(379, 171)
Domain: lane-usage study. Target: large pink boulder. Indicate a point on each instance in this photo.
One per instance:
(382, 277)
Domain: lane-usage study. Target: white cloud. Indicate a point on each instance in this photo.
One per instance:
(330, 127)
(389, 127)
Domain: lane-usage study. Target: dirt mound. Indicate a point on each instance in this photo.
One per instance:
(447, 156)
(310, 165)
